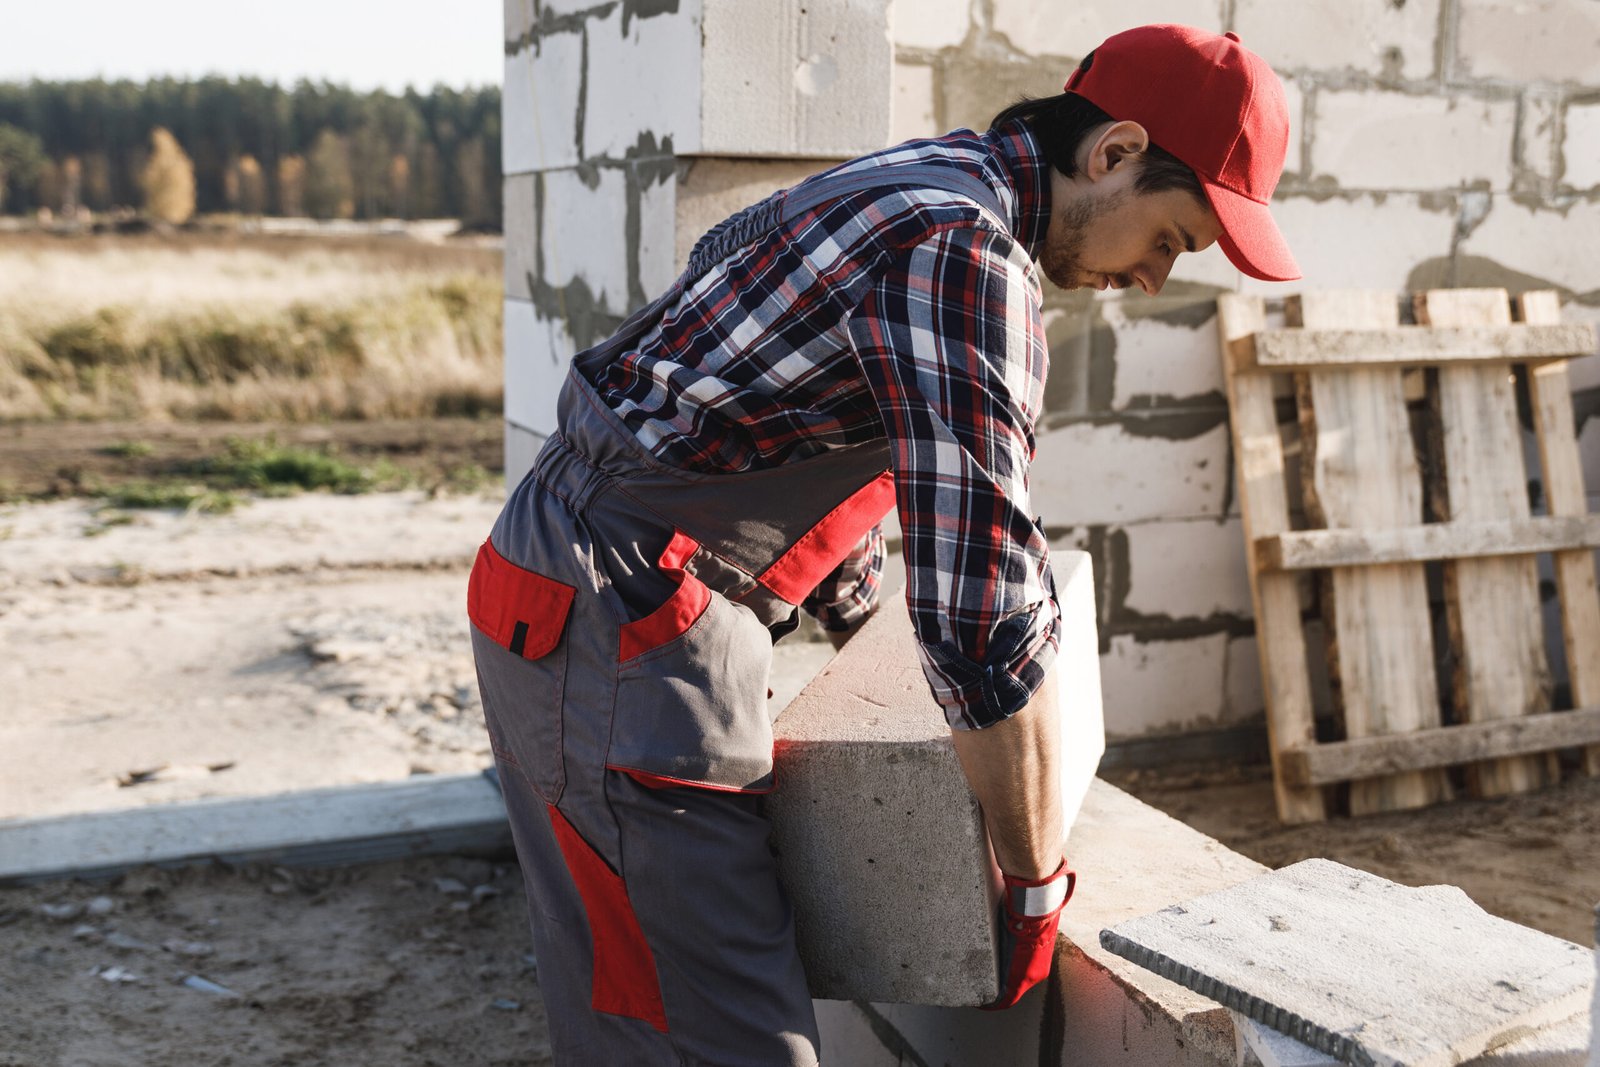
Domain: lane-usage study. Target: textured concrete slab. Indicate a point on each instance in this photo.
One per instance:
(881, 843)
(1358, 966)
(1262, 1046)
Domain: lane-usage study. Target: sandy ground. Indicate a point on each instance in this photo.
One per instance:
(319, 640)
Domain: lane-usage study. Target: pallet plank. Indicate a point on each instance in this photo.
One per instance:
(1492, 604)
(1311, 549)
(1258, 456)
(1550, 389)
(314, 827)
(1323, 349)
(1361, 472)
(1339, 761)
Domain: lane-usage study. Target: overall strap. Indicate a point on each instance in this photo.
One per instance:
(750, 225)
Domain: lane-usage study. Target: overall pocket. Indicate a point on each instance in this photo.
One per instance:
(519, 618)
(691, 704)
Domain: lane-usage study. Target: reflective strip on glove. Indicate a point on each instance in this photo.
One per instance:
(1029, 916)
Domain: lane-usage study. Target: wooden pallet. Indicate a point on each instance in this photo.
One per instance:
(1375, 513)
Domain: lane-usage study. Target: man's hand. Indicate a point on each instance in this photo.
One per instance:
(1030, 914)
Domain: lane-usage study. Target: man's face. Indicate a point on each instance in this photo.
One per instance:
(1105, 235)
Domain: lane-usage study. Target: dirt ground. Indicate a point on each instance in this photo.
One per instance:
(317, 640)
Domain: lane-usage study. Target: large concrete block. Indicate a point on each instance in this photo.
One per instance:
(1539, 247)
(1074, 30)
(1135, 471)
(1244, 698)
(1529, 40)
(913, 103)
(1363, 242)
(521, 228)
(1187, 569)
(537, 352)
(1371, 36)
(976, 86)
(880, 843)
(1382, 140)
(1164, 687)
(929, 24)
(519, 15)
(1351, 963)
(1162, 359)
(1294, 99)
(710, 190)
(539, 104)
(644, 81)
(584, 233)
(807, 78)
(1580, 147)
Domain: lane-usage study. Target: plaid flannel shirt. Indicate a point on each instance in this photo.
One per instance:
(899, 313)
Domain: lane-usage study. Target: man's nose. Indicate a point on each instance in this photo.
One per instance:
(1153, 276)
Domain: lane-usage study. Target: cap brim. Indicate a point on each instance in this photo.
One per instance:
(1250, 239)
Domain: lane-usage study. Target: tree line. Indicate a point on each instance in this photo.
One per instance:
(250, 147)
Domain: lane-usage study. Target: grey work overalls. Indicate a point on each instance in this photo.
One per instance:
(623, 620)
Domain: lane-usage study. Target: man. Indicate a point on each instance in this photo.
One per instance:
(871, 339)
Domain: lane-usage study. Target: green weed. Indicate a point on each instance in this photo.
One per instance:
(128, 449)
(187, 497)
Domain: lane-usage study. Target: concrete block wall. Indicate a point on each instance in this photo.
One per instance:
(1435, 143)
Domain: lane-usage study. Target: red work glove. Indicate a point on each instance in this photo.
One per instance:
(1030, 912)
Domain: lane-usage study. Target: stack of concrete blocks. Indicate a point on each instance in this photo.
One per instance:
(1435, 143)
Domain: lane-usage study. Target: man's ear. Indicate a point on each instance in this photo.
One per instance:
(1116, 145)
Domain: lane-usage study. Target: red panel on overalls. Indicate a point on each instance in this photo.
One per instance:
(818, 551)
(625, 981)
(681, 611)
(517, 609)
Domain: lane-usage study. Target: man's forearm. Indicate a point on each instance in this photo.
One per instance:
(1014, 769)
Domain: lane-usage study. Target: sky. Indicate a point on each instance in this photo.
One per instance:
(366, 44)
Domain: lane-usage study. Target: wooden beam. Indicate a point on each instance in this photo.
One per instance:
(1300, 349)
(1312, 549)
(310, 828)
(1342, 761)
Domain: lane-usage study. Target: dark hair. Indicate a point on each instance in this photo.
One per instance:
(1061, 122)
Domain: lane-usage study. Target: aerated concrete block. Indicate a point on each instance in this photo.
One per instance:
(1368, 970)
(1074, 29)
(880, 842)
(1137, 471)
(1529, 40)
(537, 352)
(1378, 140)
(1580, 146)
(1373, 36)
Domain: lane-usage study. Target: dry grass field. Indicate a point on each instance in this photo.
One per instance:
(246, 328)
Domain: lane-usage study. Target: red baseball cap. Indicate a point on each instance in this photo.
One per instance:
(1219, 108)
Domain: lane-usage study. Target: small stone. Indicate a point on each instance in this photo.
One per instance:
(119, 974)
(449, 885)
(188, 948)
(86, 932)
(61, 912)
(206, 985)
(530, 962)
(118, 939)
(461, 905)
(101, 906)
(481, 893)
(503, 1004)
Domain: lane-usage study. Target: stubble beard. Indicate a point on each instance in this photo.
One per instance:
(1061, 260)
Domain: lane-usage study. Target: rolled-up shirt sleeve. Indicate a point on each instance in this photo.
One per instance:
(843, 600)
(952, 344)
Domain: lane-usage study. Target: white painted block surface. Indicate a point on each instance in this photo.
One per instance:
(555, 78)
(1191, 568)
(1088, 472)
(1380, 140)
(1163, 687)
(521, 235)
(1294, 100)
(1580, 146)
(1355, 964)
(1554, 245)
(930, 24)
(808, 78)
(1371, 36)
(584, 233)
(537, 353)
(913, 103)
(518, 18)
(644, 79)
(1073, 30)
(1159, 362)
(1536, 134)
(518, 148)
(1361, 242)
(1529, 40)
(659, 264)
